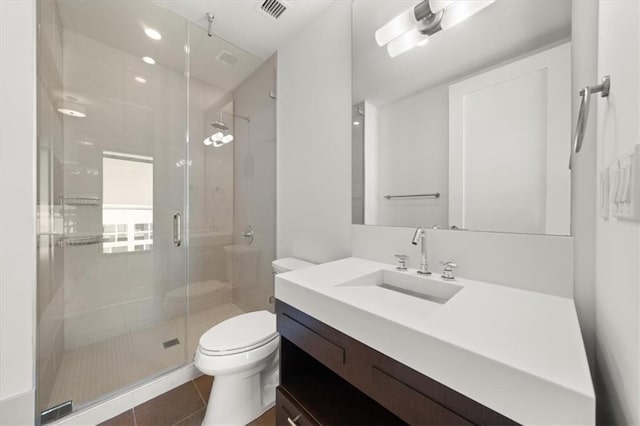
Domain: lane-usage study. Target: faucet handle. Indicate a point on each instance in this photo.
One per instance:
(447, 272)
(402, 262)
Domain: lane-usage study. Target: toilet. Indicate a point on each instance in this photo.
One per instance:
(242, 353)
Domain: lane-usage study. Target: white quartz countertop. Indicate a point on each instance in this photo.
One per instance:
(517, 352)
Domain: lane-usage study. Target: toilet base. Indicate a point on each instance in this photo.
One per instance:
(238, 399)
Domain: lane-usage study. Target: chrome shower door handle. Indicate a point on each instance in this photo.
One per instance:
(177, 230)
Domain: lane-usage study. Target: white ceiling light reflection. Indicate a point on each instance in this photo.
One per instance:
(152, 34)
(148, 60)
(85, 143)
(141, 79)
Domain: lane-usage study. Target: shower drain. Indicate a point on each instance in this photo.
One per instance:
(170, 343)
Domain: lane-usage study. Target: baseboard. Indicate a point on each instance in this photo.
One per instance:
(107, 409)
(18, 409)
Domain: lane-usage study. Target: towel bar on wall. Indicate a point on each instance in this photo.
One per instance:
(585, 104)
(434, 195)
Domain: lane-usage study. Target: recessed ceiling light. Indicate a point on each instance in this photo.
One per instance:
(356, 123)
(152, 34)
(72, 110)
(149, 60)
(141, 79)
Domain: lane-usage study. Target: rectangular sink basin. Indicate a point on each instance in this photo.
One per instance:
(410, 284)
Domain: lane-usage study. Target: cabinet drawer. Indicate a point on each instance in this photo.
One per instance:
(327, 352)
(289, 413)
(410, 404)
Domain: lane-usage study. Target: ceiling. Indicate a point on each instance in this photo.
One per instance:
(504, 30)
(121, 24)
(238, 22)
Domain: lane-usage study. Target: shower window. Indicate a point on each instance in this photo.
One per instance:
(127, 212)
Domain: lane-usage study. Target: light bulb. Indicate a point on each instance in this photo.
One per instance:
(208, 141)
(217, 143)
(148, 60)
(217, 136)
(152, 34)
(396, 27)
(140, 79)
(461, 10)
(227, 139)
(406, 42)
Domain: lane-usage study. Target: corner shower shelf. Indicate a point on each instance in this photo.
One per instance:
(79, 201)
(80, 241)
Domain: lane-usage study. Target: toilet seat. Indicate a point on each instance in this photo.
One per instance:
(239, 334)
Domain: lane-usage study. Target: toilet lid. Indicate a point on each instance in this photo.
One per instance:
(244, 331)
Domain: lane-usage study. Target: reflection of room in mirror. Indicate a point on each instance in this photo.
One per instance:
(447, 118)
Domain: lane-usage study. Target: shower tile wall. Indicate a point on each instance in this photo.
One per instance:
(255, 188)
(50, 309)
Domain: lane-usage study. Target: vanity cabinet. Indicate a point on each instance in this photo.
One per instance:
(329, 378)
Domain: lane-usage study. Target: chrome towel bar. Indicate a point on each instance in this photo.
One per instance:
(434, 195)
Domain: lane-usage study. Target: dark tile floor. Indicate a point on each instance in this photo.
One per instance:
(182, 406)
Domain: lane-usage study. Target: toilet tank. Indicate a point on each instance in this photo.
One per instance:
(287, 264)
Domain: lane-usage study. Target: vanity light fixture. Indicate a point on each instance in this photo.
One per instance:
(148, 60)
(414, 26)
(153, 34)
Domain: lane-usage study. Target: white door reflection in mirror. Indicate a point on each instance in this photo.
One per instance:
(509, 144)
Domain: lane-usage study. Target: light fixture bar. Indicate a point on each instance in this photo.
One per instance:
(414, 26)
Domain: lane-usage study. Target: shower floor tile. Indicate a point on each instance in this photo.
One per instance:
(103, 368)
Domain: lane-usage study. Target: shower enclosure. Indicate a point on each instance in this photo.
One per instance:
(153, 225)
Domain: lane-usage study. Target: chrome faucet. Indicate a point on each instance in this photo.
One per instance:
(421, 235)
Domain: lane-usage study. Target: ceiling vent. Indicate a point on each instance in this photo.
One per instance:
(227, 58)
(272, 9)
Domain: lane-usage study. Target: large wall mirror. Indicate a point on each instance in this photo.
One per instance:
(462, 114)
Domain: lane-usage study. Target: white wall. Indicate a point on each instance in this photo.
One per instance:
(314, 146)
(413, 158)
(17, 210)
(584, 39)
(618, 241)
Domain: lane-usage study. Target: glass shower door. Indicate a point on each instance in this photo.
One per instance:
(112, 128)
